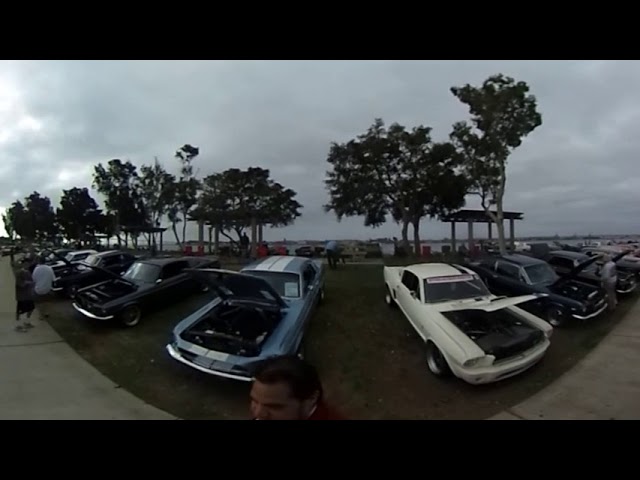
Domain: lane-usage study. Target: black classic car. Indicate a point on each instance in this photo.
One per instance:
(146, 286)
(565, 296)
(626, 263)
(563, 262)
(83, 274)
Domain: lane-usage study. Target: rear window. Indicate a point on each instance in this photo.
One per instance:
(286, 284)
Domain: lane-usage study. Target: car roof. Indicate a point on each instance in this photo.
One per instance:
(278, 263)
(161, 262)
(88, 250)
(108, 252)
(569, 254)
(523, 260)
(430, 270)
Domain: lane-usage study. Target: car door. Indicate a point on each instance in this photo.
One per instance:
(409, 299)
(175, 282)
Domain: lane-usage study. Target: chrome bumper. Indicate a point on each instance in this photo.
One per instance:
(86, 313)
(176, 355)
(628, 290)
(591, 315)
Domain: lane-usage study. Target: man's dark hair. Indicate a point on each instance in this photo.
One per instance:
(301, 377)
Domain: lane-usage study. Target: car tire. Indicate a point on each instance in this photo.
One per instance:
(130, 316)
(555, 317)
(436, 361)
(388, 299)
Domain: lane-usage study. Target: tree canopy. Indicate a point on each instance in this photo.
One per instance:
(394, 172)
(503, 113)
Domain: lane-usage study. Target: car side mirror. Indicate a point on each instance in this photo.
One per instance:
(159, 280)
(413, 294)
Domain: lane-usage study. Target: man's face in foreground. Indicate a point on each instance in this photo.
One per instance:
(275, 402)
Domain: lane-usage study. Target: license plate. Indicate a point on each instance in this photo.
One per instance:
(203, 362)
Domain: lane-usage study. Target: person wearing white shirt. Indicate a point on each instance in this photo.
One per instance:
(609, 278)
(43, 278)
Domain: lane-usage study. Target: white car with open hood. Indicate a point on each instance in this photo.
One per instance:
(468, 331)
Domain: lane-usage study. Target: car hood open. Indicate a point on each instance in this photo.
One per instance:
(230, 284)
(489, 305)
(575, 271)
(109, 273)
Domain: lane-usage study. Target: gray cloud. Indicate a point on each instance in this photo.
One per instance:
(576, 174)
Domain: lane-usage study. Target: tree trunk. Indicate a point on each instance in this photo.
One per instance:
(416, 236)
(210, 239)
(254, 237)
(405, 236)
(184, 228)
(175, 232)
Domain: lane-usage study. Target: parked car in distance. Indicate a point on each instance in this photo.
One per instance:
(477, 336)
(565, 297)
(627, 263)
(563, 262)
(85, 274)
(261, 311)
(146, 286)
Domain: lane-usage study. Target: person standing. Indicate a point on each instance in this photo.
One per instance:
(24, 297)
(333, 253)
(43, 278)
(609, 277)
(289, 388)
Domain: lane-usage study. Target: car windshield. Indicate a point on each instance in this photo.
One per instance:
(142, 272)
(92, 260)
(460, 287)
(286, 284)
(540, 273)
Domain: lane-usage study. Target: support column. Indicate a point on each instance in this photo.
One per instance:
(216, 240)
(161, 238)
(512, 233)
(490, 230)
(453, 237)
(470, 235)
(260, 233)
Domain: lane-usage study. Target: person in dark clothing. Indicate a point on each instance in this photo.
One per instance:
(244, 245)
(289, 388)
(25, 304)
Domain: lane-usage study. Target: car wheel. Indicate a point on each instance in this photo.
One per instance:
(555, 316)
(388, 299)
(436, 362)
(130, 316)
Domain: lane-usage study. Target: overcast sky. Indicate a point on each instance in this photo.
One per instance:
(577, 173)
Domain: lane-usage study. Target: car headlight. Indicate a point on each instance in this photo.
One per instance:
(471, 362)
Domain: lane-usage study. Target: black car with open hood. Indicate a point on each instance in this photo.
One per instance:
(94, 269)
(564, 262)
(566, 296)
(148, 285)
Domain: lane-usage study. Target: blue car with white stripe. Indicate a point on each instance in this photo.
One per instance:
(261, 311)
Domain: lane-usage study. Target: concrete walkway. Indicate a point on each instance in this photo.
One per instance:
(42, 378)
(605, 385)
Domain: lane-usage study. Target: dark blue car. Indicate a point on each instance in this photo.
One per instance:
(259, 312)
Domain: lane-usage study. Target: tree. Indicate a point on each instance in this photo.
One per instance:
(157, 192)
(232, 199)
(393, 171)
(79, 216)
(39, 218)
(502, 113)
(119, 183)
(186, 189)
(7, 219)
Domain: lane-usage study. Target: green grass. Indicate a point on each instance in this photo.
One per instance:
(371, 361)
